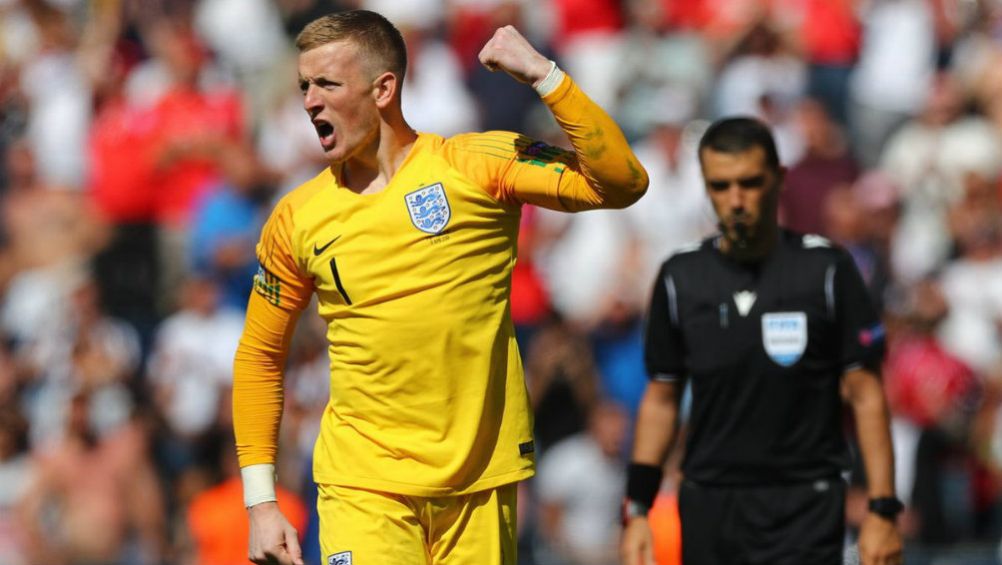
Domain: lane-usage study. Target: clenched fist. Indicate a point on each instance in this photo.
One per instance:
(273, 540)
(510, 52)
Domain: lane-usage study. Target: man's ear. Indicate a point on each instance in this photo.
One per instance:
(385, 88)
(781, 177)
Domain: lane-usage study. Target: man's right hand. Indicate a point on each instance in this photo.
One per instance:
(637, 545)
(273, 540)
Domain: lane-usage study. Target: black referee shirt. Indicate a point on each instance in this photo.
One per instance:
(764, 346)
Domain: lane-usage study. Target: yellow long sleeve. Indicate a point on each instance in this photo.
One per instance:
(257, 379)
(613, 174)
(601, 172)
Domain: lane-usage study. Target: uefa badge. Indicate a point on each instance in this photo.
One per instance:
(784, 336)
(429, 208)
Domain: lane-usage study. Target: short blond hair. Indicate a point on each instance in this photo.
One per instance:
(378, 39)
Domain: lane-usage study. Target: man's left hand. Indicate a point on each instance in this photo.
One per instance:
(510, 52)
(879, 541)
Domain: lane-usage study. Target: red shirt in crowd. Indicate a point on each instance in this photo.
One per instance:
(121, 166)
(187, 121)
(831, 32)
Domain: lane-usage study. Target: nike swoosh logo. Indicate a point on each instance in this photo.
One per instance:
(318, 250)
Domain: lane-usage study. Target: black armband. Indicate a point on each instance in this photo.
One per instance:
(886, 506)
(643, 483)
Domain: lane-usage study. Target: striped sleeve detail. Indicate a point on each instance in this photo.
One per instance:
(830, 290)
(665, 377)
(852, 367)
(669, 282)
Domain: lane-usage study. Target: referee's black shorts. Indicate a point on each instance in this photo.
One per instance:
(797, 524)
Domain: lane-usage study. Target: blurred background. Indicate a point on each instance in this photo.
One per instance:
(143, 143)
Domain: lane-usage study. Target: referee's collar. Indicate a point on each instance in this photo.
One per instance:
(781, 235)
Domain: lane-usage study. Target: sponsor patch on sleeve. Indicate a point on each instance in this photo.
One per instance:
(541, 154)
(872, 335)
(268, 285)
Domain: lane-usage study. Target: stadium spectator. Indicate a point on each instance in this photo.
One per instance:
(933, 396)
(829, 35)
(761, 67)
(436, 95)
(972, 281)
(674, 212)
(58, 118)
(929, 158)
(579, 485)
(92, 351)
(825, 164)
(891, 80)
(563, 383)
(193, 123)
(846, 218)
(15, 474)
(226, 222)
(588, 41)
(665, 73)
(501, 103)
(50, 234)
(104, 490)
(190, 370)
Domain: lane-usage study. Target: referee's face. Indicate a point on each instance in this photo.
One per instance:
(744, 191)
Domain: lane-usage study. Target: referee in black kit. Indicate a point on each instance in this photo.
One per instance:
(773, 329)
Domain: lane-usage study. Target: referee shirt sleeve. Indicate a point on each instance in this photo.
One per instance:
(664, 352)
(860, 328)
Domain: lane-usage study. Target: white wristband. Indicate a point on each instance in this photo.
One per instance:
(551, 81)
(259, 484)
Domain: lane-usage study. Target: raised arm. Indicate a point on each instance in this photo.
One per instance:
(603, 172)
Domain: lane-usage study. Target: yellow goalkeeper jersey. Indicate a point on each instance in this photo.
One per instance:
(427, 396)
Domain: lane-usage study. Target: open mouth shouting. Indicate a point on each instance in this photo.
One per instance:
(325, 131)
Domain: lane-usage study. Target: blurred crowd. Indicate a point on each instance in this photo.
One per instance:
(143, 143)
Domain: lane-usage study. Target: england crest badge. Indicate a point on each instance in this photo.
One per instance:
(429, 208)
(784, 336)
(343, 558)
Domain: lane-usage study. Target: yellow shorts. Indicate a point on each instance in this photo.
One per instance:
(364, 527)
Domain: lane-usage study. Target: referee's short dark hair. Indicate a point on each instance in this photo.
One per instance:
(737, 135)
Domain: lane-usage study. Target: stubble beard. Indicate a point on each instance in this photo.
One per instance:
(742, 237)
(739, 233)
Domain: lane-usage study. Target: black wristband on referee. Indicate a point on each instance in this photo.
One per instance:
(643, 483)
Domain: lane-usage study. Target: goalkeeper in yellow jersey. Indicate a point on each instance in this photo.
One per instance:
(408, 240)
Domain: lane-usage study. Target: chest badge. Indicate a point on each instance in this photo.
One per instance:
(744, 300)
(784, 336)
(429, 208)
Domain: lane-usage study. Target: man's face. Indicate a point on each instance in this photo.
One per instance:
(744, 191)
(338, 95)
